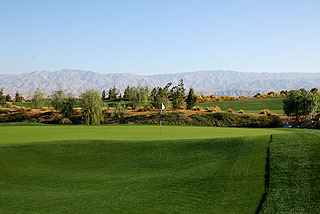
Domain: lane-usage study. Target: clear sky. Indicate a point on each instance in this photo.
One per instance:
(159, 36)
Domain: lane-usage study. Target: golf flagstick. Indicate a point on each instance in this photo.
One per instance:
(162, 107)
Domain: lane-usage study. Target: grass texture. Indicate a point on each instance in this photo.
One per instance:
(294, 183)
(16, 133)
(249, 106)
(83, 169)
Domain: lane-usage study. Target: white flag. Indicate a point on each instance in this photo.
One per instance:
(162, 106)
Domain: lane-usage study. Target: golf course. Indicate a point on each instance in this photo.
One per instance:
(138, 169)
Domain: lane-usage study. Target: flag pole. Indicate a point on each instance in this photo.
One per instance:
(162, 107)
(160, 119)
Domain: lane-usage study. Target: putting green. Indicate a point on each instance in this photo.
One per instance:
(29, 134)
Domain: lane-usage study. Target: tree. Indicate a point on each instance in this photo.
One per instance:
(57, 99)
(2, 97)
(38, 99)
(162, 96)
(314, 90)
(139, 96)
(103, 95)
(153, 94)
(92, 105)
(126, 93)
(301, 102)
(112, 93)
(18, 97)
(177, 95)
(8, 98)
(191, 99)
(68, 104)
(118, 112)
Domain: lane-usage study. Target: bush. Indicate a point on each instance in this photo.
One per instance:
(230, 110)
(104, 110)
(4, 110)
(276, 121)
(78, 112)
(217, 109)
(241, 111)
(65, 121)
(196, 108)
(209, 109)
(140, 109)
(148, 108)
(266, 112)
(44, 109)
(183, 108)
(9, 104)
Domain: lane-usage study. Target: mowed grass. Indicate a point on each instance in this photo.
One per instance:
(11, 134)
(137, 169)
(294, 183)
(131, 169)
(249, 106)
(194, 176)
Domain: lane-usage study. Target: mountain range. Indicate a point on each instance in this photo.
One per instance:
(218, 82)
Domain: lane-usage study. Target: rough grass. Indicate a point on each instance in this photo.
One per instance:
(179, 176)
(294, 183)
(249, 106)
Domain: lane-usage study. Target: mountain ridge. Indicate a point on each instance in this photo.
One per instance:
(218, 82)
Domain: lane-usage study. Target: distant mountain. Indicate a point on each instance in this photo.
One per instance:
(204, 82)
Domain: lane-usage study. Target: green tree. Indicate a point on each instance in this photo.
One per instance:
(103, 95)
(301, 102)
(92, 105)
(314, 90)
(191, 99)
(126, 93)
(178, 95)
(8, 98)
(162, 97)
(68, 105)
(153, 94)
(38, 99)
(57, 99)
(18, 97)
(112, 93)
(2, 97)
(118, 112)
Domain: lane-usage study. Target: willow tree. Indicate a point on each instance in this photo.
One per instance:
(92, 105)
(301, 102)
(38, 99)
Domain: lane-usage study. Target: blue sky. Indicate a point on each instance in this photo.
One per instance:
(160, 36)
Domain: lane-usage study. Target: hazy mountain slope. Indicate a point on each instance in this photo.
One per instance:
(206, 82)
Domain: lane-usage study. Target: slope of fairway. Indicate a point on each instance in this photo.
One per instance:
(223, 175)
(294, 183)
(28, 134)
(249, 106)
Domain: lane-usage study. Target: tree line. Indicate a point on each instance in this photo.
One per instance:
(172, 98)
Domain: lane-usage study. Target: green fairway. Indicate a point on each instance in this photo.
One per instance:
(193, 176)
(137, 169)
(249, 106)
